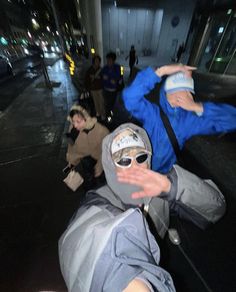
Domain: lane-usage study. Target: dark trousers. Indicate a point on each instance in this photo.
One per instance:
(110, 99)
(86, 170)
(131, 66)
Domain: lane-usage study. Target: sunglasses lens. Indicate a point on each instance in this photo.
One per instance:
(142, 158)
(124, 162)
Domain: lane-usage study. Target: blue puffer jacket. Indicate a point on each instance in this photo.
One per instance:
(216, 118)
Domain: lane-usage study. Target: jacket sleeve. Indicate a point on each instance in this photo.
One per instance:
(98, 165)
(194, 199)
(87, 81)
(133, 96)
(216, 118)
(72, 155)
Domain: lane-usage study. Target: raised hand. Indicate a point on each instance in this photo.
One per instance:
(151, 182)
(174, 68)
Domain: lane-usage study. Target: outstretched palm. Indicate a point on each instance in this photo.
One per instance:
(151, 182)
(174, 68)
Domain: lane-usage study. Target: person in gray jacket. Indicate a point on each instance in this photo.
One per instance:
(108, 245)
(126, 159)
(107, 249)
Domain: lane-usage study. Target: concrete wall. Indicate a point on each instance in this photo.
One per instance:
(171, 36)
(115, 28)
(125, 27)
(147, 28)
(156, 30)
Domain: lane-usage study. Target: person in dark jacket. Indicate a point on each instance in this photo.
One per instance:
(112, 80)
(93, 83)
(179, 52)
(187, 117)
(132, 59)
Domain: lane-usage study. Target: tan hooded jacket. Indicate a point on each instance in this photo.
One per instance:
(88, 142)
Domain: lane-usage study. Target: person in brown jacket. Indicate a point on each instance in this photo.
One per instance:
(93, 83)
(87, 146)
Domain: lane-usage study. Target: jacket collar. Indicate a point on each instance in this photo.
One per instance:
(88, 130)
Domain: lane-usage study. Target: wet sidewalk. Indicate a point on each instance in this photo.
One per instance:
(35, 206)
(36, 119)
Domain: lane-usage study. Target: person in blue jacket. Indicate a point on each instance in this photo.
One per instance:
(187, 117)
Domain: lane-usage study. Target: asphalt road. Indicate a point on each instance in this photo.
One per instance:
(25, 71)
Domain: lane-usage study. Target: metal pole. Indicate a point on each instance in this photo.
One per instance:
(45, 73)
(226, 68)
(58, 26)
(196, 51)
(216, 51)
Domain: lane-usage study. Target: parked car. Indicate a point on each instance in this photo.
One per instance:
(51, 49)
(5, 66)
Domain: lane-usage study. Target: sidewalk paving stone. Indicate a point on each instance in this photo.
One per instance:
(35, 205)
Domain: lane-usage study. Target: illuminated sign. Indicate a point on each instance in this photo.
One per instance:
(121, 70)
(72, 64)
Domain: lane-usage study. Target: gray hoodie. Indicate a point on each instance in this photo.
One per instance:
(104, 249)
(192, 198)
(108, 243)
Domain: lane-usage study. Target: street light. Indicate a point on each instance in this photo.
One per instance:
(48, 28)
(35, 23)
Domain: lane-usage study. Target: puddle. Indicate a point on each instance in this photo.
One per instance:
(31, 75)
